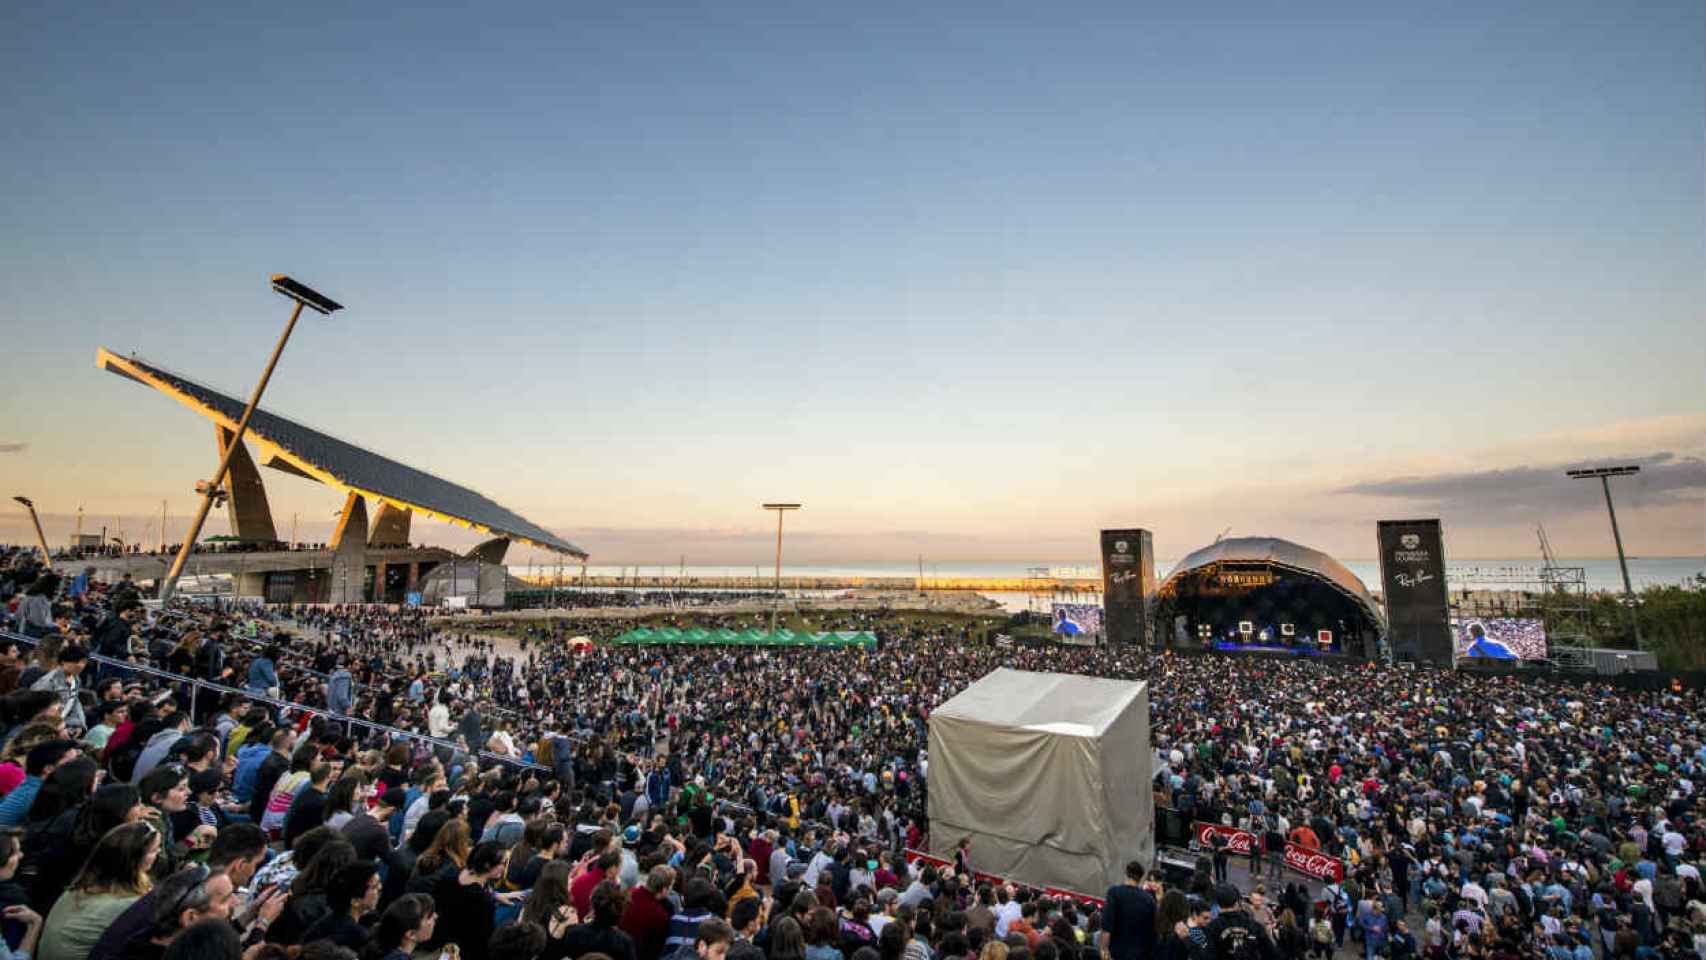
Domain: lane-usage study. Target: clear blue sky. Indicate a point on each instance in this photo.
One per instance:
(1003, 269)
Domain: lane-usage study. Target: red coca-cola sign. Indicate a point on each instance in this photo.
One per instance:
(1240, 842)
(919, 856)
(1313, 863)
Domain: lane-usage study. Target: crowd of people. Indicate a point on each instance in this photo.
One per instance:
(436, 793)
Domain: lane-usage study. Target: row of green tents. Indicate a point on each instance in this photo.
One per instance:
(699, 636)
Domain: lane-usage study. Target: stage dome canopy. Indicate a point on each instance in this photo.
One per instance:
(1283, 554)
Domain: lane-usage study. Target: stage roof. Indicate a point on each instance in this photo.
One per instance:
(291, 447)
(1282, 553)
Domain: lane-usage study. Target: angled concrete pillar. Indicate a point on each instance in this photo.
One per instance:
(349, 552)
(391, 527)
(251, 520)
(492, 551)
(488, 571)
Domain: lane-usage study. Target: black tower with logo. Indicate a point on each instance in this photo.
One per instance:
(1128, 586)
(1412, 584)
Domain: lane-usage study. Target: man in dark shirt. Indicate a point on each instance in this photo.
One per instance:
(1128, 920)
(366, 831)
(1235, 935)
(272, 767)
(308, 810)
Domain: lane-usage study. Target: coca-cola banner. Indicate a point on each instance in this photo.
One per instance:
(1243, 843)
(1313, 863)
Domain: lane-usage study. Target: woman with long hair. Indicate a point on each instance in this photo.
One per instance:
(549, 904)
(403, 927)
(1171, 918)
(404, 858)
(444, 858)
(347, 798)
(68, 785)
(823, 935)
(308, 903)
(59, 848)
(114, 877)
(787, 940)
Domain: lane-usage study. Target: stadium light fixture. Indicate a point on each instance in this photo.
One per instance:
(41, 539)
(780, 508)
(1604, 475)
(305, 296)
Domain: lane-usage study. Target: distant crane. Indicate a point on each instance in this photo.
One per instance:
(1545, 546)
(1222, 535)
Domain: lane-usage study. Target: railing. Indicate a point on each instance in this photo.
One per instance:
(196, 685)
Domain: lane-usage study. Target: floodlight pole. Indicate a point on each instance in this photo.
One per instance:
(780, 509)
(1604, 475)
(302, 295)
(41, 539)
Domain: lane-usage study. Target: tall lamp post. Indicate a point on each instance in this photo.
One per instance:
(41, 539)
(780, 508)
(1604, 475)
(305, 297)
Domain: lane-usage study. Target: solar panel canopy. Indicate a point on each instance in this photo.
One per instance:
(290, 446)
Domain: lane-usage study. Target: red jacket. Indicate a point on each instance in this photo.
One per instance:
(580, 890)
(647, 921)
(759, 850)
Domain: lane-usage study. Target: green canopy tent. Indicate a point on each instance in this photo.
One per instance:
(699, 636)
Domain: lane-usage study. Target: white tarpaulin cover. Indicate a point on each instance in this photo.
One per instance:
(1048, 774)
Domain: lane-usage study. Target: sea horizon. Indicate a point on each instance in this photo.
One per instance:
(1601, 573)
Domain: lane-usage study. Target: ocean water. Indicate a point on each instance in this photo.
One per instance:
(1601, 573)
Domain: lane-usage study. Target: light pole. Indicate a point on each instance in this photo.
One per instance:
(780, 508)
(304, 297)
(41, 539)
(1604, 475)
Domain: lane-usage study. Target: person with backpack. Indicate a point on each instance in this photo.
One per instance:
(1235, 934)
(1338, 910)
(1321, 935)
(1669, 898)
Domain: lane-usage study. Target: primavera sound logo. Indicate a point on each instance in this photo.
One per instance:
(1411, 540)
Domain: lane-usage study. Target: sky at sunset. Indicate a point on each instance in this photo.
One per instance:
(971, 280)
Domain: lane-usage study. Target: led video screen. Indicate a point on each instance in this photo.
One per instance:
(1500, 638)
(1078, 619)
